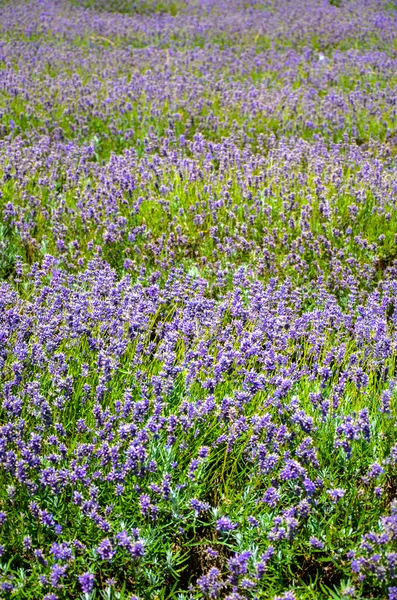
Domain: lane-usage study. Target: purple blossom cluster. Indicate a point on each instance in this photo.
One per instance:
(376, 557)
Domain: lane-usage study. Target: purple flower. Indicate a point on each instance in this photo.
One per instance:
(57, 573)
(316, 543)
(378, 491)
(198, 506)
(336, 494)
(47, 518)
(309, 486)
(61, 551)
(105, 549)
(261, 566)
(203, 452)
(194, 464)
(375, 471)
(271, 497)
(87, 582)
(348, 591)
(27, 542)
(40, 557)
(210, 584)
(248, 584)
(119, 489)
(145, 503)
(355, 566)
(123, 539)
(238, 565)
(225, 524)
(137, 550)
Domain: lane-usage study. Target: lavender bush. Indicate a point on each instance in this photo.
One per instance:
(198, 299)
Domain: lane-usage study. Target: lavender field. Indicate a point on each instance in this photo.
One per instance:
(198, 299)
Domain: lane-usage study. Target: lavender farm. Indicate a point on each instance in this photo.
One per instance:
(198, 299)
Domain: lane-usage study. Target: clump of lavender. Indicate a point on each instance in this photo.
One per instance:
(87, 583)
